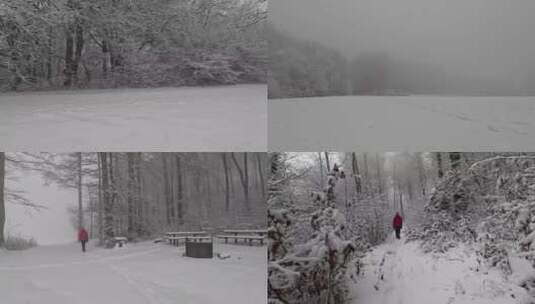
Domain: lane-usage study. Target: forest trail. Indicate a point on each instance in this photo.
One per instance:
(140, 273)
(398, 272)
(225, 118)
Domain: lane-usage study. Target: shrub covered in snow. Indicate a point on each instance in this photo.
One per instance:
(19, 243)
(314, 271)
(491, 204)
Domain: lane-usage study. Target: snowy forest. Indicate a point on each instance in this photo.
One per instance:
(138, 227)
(467, 233)
(141, 195)
(106, 44)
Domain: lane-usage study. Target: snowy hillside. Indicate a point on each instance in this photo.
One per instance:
(140, 273)
(228, 118)
(397, 272)
(414, 123)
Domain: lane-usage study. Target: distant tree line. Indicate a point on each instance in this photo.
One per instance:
(302, 68)
(112, 43)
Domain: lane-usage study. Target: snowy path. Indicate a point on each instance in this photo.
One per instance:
(144, 273)
(231, 118)
(404, 123)
(400, 273)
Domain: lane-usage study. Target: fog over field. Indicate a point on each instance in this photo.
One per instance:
(475, 47)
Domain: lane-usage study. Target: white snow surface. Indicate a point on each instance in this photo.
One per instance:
(410, 276)
(401, 123)
(225, 118)
(139, 273)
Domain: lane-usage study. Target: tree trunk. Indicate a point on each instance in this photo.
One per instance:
(79, 46)
(2, 201)
(139, 219)
(80, 206)
(105, 59)
(180, 190)
(365, 169)
(227, 181)
(321, 171)
(167, 190)
(356, 173)
(130, 194)
(379, 177)
(421, 173)
(100, 200)
(261, 174)
(327, 162)
(113, 187)
(455, 160)
(439, 164)
(244, 177)
(69, 60)
(108, 203)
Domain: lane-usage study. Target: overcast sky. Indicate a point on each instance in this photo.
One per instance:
(476, 38)
(49, 226)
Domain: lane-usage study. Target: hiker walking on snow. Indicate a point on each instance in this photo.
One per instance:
(83, 238)
(397, 223)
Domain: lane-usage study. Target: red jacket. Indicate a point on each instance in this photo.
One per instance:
(82, 235)
(397, 222)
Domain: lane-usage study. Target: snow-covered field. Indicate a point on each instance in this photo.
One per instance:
(400, 273)
(413, 123)
(140, 273)
(227, 118)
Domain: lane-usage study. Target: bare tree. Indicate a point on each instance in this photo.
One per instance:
(327, 162)
(421, 173)
(244, 176)
(80, 206)
(261, 175)
(180, 189)
(227, 181)
(107, 195)
(440, 170)
(2, 202)
(378, 169)
(356, 173)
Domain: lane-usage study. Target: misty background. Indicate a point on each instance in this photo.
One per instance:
(47, 226)
(378, 47)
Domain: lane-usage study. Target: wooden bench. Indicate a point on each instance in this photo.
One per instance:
(118, 241)
(245, 238)
(248, 235)
(174, 238)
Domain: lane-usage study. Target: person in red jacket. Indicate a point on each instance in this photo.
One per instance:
(397, 223)
(83, 238)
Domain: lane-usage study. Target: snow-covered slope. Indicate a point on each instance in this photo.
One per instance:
(400, 273)
(404, 123)
(228, 118)
(140, 273)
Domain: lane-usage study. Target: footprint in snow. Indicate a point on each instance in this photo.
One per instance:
(492, 128)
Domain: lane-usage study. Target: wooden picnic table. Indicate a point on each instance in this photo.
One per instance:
(246, 231)
(174, 238)
(177, 233)
(248, 235)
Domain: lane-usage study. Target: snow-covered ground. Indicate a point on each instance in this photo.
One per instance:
(227, 118)
(400, 273)
(413, 123)
(140, 273)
